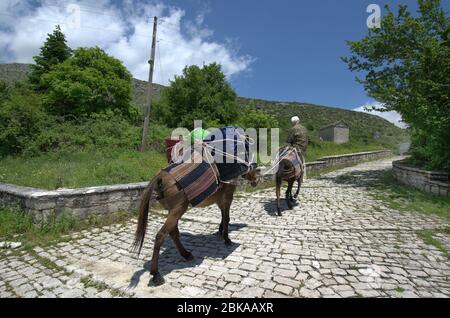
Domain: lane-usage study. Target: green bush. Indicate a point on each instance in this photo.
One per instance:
(198, 94)
(252, 118)
(89, 82)
(100, 131)
(406, 64)
(22, 117)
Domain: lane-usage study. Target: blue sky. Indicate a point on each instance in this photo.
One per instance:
(297, 46)
(277, 50)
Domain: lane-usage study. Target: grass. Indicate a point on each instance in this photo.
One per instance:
(408, 199)
(88, 282)
(92, 168)
(16, 225)
(399, 290)
(73, 170)
(325, 148)
(427, 237)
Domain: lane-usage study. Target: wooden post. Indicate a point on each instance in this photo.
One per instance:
(149, 89)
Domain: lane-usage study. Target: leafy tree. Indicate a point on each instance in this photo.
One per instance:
(406, 64)
(21, 118)
(198, 94)
(54, 51)
(89, 82)
(3, 89)
(253, 118)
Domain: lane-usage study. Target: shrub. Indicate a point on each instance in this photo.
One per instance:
(89, 82)
(21, 118)
(198, 94)
(406, 64)
(253, 118)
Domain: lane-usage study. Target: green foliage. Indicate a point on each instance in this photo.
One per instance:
(89, 82)
(21, 118)
(408, 199)
(253, 118)
(406, 64)
(81, 168)
(313, 117)
(17, 225)
(200, 93)
(53, 52)
(3, 90)
(317, 149)
(26, 129)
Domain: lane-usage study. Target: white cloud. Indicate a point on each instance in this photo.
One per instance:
(123, 32)
(391, 116)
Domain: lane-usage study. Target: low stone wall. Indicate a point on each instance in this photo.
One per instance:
(84, 202)
(428, 181)
(333, 161)
(80, 203)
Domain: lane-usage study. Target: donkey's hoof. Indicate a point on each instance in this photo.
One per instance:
(279, 213)
(189, 257)
(157, 280)
(228, 242)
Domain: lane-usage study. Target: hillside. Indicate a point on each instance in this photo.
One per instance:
(362, 126)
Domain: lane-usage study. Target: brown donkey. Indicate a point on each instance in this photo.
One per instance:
(287, 172)
(172, 198)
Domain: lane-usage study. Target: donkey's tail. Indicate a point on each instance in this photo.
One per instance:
(143, 215)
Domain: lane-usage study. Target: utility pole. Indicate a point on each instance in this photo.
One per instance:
(149, 88)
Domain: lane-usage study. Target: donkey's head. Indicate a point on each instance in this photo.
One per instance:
(253, 176)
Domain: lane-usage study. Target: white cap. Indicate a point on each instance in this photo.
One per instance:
(295, 120)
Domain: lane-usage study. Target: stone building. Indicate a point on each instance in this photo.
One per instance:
(337, 132)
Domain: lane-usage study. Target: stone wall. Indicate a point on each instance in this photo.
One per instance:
(327, 134)
(428, 181)
(341, 135)
(84, 202)
(81, 203)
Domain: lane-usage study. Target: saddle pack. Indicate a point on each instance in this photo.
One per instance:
(223, 156)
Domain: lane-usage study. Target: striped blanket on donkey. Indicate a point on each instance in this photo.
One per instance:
(197, 180)
(295, 159)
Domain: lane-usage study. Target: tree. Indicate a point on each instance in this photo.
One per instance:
(253, 118)
(89, 82)
(198, 94)
(54, 51)
(406, 64)
(21, 118)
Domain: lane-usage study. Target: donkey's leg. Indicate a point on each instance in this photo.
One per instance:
(278, 190)
(299, 183)
(298, 189)
(221, 225)
(175, 235)
(289, 194)
(225, 209)
(167, 228)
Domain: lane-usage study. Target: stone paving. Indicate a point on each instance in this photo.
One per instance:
(338, 241)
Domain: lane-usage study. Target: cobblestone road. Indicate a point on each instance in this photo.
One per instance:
(337, 242)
